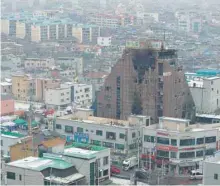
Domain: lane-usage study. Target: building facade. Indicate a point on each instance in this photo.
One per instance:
(206, 94)
(119, 135)
(6, 87)
(58, 97)
(148, 82)
(7, 105)
(178, 145)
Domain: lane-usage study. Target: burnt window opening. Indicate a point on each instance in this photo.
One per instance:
(160, 69)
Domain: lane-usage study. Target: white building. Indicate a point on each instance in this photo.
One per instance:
(104, 41)
(206, 94)
(74, 62)
(32, 63)
(85, 156)
(119, 135)
(179, 146)
(42, 171)
(8, 139)
(6, 87)
(81, 94)
(211, 171)
(184, 23)
(58, 97)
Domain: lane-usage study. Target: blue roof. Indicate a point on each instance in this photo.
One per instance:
(211, 72)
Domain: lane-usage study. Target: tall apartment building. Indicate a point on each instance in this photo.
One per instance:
(146, 81)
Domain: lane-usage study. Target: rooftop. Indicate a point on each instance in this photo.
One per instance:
(5, 84)
(39, 164)
(53, 142)
(12, 134)
(83, 151)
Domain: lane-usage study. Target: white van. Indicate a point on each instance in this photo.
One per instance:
(196, 175)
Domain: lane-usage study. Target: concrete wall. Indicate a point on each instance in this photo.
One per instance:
(7, 107)
(28, 177)
(7, 142)
(211, 168)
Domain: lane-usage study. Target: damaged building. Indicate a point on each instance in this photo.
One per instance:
(146, 81)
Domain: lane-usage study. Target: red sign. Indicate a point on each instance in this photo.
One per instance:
(162, 134)
(148, 156)
(167, 148)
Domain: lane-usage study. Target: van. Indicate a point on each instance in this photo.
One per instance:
(196, 175)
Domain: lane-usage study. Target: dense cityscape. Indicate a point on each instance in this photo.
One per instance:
(110, 92)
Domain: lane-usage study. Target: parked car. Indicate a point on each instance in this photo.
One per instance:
(115, 170)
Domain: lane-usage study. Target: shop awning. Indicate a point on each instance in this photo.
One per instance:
(20, 122)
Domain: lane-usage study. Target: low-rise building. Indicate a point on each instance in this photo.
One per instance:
(119, 135)
(7, 105)
(104, 41)
(8, 139)
(177, 144)
(58, 97)
(90, 160)
(6, 87)
(211, 171)
(81, 94)
(36, 63)
(42, 171)
(206, 94)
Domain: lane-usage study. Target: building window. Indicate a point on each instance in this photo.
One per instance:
(211, 139)
(187, 142)
(199, 153)
(187, 154)
(173, 142)
(199, 141)
(105, 160)
(210, 152)
(173, 154)
(79, 129)
(11, 175)
(1, 142)
(133, 134)
(108, 145)
(20, 177)
(105, 172)
(58, 126)
(111, 135)
(161, 153)
(122, 136)
(68, 129)
(216, 176)
(119, 146)
(162, 140)
(99, 132)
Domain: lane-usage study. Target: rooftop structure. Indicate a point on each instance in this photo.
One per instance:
(12, 134)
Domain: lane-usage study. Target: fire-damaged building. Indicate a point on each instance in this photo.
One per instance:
(146, 80)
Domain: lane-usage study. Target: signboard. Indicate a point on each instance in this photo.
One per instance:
(167, 148)
(162, 134)
(165, 74)
(69, 138)
(81, 137)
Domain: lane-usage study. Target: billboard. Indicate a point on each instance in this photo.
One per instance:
(81, 137)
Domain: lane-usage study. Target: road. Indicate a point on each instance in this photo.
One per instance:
(167, 180)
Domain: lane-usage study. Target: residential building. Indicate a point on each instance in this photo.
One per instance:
(5, 26)
(211, 173)
(22, 86)
(6, 87)
(58, 97)
(74, 62)
(20, 29)
(184, 23)
(37, 63)
(196, 25)
(104, 41)
(42, 171)
(121, 136)
(42, 85)
(81, 94)
(96, 79)
(178, 145)
(8, 139)
(146, 81)
(7, 105)
(206, 94)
